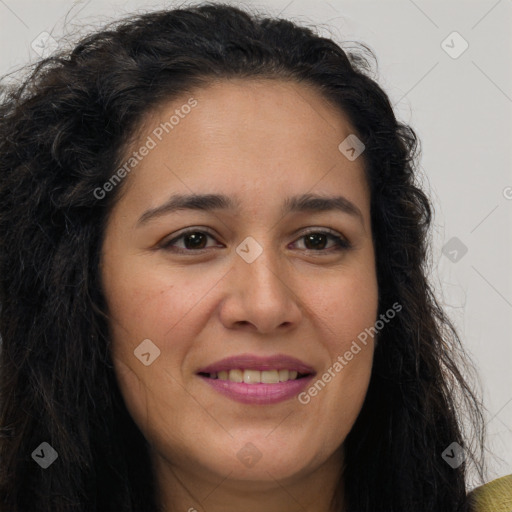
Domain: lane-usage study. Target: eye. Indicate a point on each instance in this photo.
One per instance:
(195, 240)
(316, 239)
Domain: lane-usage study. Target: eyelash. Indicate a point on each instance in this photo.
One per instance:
(341, 243)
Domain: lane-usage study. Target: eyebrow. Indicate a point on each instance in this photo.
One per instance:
(210, 202)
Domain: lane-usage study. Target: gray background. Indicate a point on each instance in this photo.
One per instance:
(459, 105)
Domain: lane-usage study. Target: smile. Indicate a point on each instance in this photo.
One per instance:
(257, 377)
(252, 379)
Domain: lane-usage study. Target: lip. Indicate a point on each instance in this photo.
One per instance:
(258, 394)
(261, 363)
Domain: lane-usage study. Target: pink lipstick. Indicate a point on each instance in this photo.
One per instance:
(252, 379)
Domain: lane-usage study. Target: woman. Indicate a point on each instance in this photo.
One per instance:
(267, 370)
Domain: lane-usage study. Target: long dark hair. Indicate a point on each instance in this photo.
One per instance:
(64, 131)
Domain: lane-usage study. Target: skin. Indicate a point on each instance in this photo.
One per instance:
(259, 141)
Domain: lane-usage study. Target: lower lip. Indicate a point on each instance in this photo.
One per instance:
(259, 393)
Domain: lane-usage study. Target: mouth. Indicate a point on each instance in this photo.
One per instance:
(251, 379)
(255, 376)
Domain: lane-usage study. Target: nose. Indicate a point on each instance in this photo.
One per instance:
(260, 295)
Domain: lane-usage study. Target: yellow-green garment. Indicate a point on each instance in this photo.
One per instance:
(495, 496)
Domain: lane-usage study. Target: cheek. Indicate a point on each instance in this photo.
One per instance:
(154, 302)
(162, 305)
(344, 310)
(344, 304)
(149, 309)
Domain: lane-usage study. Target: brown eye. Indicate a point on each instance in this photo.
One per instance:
(193, 240)
(317, 240)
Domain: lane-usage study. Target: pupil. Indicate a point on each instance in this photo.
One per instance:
(312, 237)
(194, 237)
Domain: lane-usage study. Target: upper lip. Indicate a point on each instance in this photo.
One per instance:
(253, 362)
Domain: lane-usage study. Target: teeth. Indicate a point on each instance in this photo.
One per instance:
(251, 376)
(235, 375)
(256, 376)
(270, 377)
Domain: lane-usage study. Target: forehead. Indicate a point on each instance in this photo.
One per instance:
(255, 139)
(254, 110)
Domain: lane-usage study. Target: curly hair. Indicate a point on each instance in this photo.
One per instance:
(62, 133)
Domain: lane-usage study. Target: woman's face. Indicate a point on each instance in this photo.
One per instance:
(246, 283)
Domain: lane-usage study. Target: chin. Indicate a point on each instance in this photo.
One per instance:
(263, 470)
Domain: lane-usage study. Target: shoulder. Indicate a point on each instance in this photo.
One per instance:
(495, 496)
